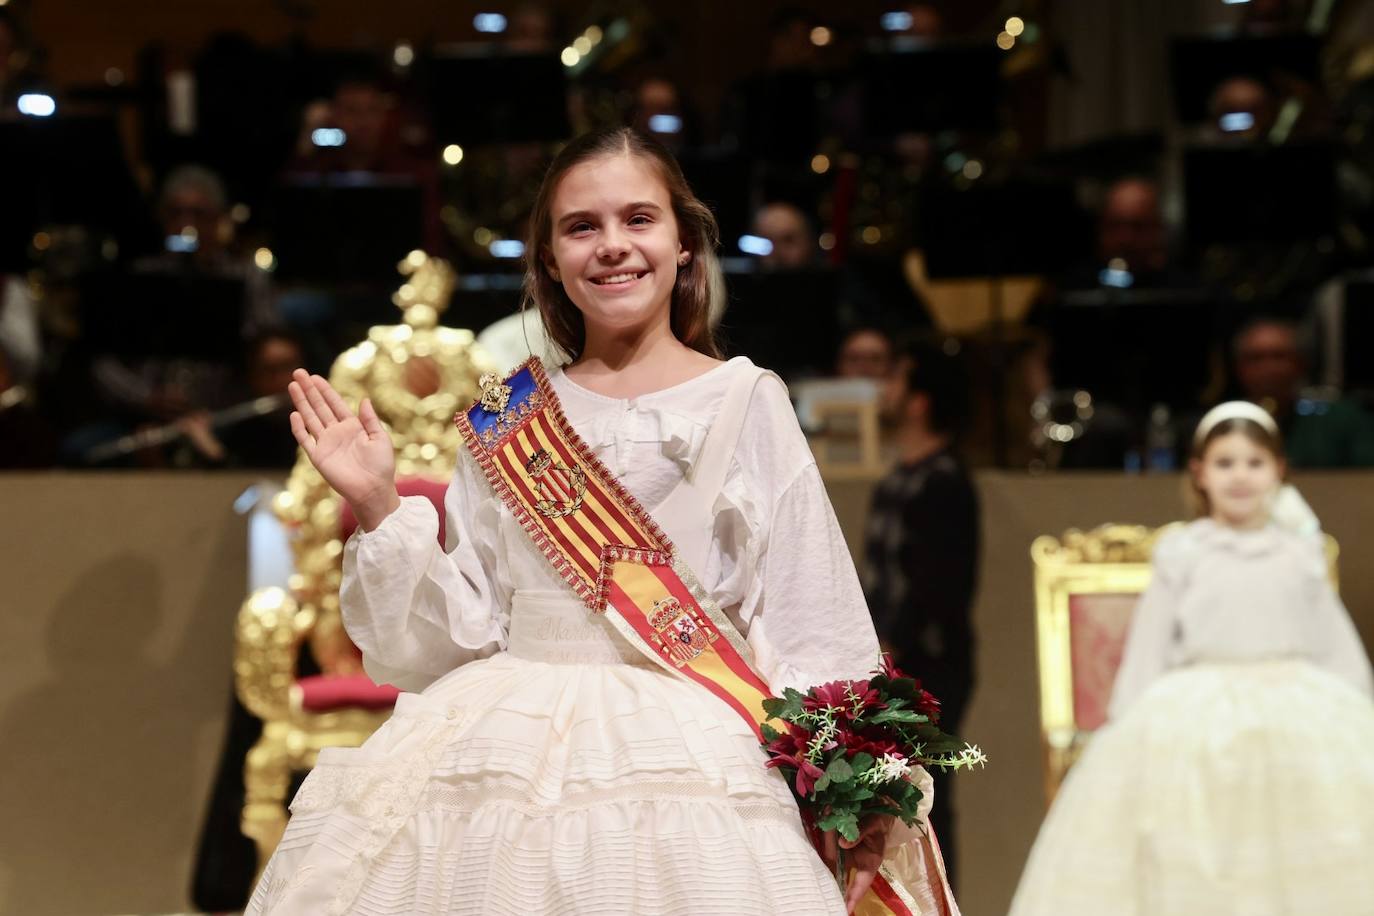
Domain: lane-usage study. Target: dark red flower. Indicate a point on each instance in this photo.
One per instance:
(865, 744)
(843, 696)
(927, 705)
(889, 667)
(807, 772)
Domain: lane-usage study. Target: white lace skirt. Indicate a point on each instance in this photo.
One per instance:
(520, 786)
(1226, 789)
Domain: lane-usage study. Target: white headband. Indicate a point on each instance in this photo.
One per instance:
(1234, 410)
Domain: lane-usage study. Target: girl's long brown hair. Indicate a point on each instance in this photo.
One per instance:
(699, 293)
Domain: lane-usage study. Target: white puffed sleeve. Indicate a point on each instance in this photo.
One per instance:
(1334, 641)
(416, 611)
(1150, 640)
(800, 604)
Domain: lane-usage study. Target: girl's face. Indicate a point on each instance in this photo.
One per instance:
(1238, 477)
(615, 245)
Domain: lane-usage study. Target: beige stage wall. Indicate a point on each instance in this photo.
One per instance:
(116, 615)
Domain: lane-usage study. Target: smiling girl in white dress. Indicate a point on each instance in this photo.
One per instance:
(543, 764)
(1236, 773)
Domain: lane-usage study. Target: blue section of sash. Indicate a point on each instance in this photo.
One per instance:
(522, 388)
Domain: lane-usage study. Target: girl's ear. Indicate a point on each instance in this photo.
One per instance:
(683, 257)
(1195, 469)
(550, 265)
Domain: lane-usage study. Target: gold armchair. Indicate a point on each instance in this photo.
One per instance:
(1087, 585)
(418, 376)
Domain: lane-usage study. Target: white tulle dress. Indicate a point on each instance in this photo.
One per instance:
(542, 766)
(1236, 775)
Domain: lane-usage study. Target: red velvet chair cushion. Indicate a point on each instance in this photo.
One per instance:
(433, 490)
(324, 693)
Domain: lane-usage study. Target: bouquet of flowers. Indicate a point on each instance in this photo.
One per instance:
(848, 747)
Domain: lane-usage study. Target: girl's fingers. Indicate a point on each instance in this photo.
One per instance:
(863, 880)
(337, 405)
(300, 398)
(296, 387)
(316, 398)
(303, 438)
(367, 415)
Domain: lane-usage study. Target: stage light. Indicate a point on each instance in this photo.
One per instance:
(1236, 121)
(41, 241)
(872, 235)
(826, 241)
(1015, 26)
(404, 55)
(453, 154)
(114, 76)
(482, 236)
(265, 259)
(1005, 40)
(755, 245)
(489, 23)
(328, 136)
(1234, 2)
(820, 163)
(665, 124)
(506, 248)
(820, 36)
(582, 44)
(898, 21)
(240, 213)
(593, 34)
(973, 170)
(570, 57)
(36, 105)
(955, 161)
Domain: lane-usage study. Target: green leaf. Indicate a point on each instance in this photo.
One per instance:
(839, 770)
(823, 782)
(770, 734)
(897, 715)
(773, 706)
(861, 762)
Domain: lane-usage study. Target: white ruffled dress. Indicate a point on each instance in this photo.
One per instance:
(542, 765)
(1236, 775)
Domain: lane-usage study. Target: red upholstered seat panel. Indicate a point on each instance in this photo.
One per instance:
(325, 693)
(433, 490)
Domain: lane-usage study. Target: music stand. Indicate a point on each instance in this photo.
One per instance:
(785, 320)
(348, 229)
(1357, 318)
(181, 314)
(1112, 343)
(993, 231)
(952, 86)
(63, 171)
(480, 96)
(1259, 193)
(721, 181)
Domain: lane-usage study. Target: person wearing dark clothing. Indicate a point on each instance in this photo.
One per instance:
(921, 550)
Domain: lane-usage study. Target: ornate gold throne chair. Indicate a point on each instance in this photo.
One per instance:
(418, 376)
(1087, 585)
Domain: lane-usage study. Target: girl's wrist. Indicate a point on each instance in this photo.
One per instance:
(373, 511)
